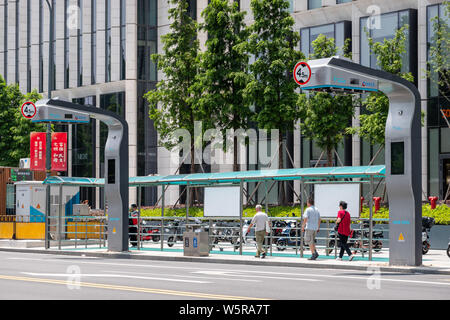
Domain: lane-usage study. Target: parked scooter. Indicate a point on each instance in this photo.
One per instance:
(448, 248)
(277, 229)
(290, 237)
(147, 231)
(247, 238)
(175, 232)
(355, 242)
(150, 232)
(427, 223)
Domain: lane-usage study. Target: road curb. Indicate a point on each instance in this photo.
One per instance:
(126, 255)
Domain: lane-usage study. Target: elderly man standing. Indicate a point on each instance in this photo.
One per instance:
(311, 226)
(260, 221)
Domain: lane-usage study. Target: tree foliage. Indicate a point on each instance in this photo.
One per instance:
(324, 116)
(224, 69)
(14, 128)
(439, 53)
(172, 105)
(389, 54)
(272, 43)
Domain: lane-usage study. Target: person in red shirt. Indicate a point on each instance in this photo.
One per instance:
(344, 221)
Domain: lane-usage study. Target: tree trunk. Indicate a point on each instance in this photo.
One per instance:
(281, 193)
(191, 190)
(329, 156)
(235, 155)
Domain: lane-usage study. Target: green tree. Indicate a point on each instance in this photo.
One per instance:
(14, 128)
(273, 90)
(172, 105)
(224, 75)
(325, 116)
(389, 54)
(439, 53)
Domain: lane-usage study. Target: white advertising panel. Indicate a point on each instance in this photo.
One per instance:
(328, 196)
(222, 202)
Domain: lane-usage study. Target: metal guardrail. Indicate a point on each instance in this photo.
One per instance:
(224, 233)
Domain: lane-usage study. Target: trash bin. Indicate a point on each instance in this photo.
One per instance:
(195, 242)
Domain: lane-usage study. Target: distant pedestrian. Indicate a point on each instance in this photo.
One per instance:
(132, 225)
(260, 221)
(343, 221)
(310, 227)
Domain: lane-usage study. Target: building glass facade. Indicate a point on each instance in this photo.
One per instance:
(93, 41)
(339, 31)
(438, 113)
(386, 28)
(147, 39)
(107, 40)
(5, 41)
(314, 4)
(123, 42)
(83, 150)
(147, 77)
(28, 46)
(66, 45)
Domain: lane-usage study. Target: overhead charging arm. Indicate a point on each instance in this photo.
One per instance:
(403, 146)
(116, 160)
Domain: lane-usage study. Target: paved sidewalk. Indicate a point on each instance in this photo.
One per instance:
(434, 262)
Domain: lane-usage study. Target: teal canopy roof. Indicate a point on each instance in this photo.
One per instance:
(235, 177)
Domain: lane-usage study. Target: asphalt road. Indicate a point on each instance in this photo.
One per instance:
(43, 276)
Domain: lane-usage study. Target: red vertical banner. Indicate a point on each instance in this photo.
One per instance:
(37, 151)
(59, 151)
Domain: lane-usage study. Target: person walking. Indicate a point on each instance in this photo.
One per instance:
(132, 225)
(260, 221)
(344, 221)
(310, 227)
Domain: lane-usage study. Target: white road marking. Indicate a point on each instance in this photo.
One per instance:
(230, 274)
(110, 275)
(193, 277)
(364, 278)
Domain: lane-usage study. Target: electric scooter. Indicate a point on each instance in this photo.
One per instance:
(427, 223)
(448, 248)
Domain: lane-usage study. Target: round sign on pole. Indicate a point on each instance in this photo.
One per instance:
(302, 73)
(28, 110)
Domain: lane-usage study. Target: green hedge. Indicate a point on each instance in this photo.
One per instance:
(441, 214)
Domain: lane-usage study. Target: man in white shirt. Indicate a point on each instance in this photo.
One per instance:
(311, 226)
(260, 221)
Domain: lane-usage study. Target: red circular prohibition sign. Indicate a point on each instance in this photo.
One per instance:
(28, 110)
(302, 73)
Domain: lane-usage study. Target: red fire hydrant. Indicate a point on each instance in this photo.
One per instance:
(433, 201)
(377, 203)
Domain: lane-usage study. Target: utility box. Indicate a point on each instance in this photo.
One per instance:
(81, 210)
(31, 200)
(195, 242)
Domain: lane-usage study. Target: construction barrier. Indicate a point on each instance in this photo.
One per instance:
(85, 230)
(24, 230)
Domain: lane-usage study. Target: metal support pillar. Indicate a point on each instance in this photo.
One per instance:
(60, 216)
(302, 203)
(139, 195)
(370, 218)
(187, 203)
(241, 209)
(163, 200)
